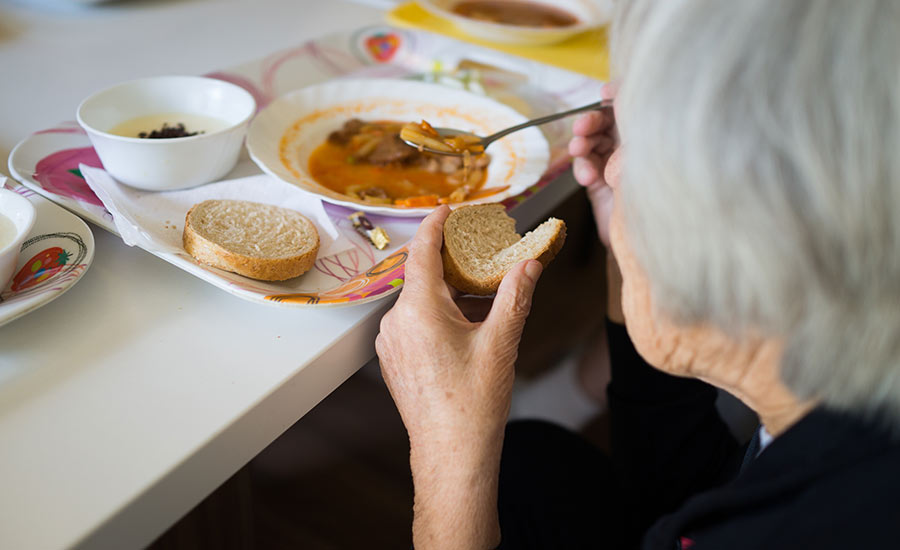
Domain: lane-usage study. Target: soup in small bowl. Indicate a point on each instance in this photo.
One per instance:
(168, 132)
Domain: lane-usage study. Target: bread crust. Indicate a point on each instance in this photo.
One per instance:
(265, 269)
(458, 277)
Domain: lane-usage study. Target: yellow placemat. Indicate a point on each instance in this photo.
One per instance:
(586, 53)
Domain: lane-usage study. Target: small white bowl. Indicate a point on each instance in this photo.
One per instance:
(20, 211)
(590, 14)
(172, 163)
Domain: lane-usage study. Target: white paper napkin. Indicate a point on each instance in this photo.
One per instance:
(154, 220)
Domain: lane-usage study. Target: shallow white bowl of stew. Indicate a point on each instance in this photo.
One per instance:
(549, 21)
(285, 134)
(216, 112)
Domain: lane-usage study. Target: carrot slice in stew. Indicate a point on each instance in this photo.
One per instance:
(418, 202)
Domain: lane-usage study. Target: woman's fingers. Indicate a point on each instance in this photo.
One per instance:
(589, 123)
(593, 122)
(582, 146)
(424, 270)
(512, 305)
(588, 170)
(610, 90)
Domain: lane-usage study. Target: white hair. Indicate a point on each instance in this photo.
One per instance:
(761, 183)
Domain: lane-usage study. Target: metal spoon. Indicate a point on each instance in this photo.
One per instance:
(487, 140)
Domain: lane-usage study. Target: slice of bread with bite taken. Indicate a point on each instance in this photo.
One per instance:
(481, 245)
(255, 240)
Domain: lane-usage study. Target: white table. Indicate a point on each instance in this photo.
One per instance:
(130, 398)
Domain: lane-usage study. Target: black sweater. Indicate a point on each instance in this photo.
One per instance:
(831, 481)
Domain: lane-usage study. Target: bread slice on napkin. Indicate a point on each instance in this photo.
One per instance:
(255, 240)
(481, 245)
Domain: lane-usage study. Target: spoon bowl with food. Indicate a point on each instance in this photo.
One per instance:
(454, 142)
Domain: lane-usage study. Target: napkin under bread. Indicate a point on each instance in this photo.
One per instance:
(154, 220)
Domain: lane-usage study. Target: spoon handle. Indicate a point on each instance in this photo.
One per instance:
(604, 104)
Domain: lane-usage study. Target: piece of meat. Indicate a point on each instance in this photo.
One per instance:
(429, 164)
(373, 193)
(347, 131)
(450, 164)
(391, 150)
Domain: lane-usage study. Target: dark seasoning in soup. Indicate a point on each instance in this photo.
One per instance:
(523, 14)
(168, 132)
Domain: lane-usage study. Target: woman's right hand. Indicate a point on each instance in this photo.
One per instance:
(593, 145)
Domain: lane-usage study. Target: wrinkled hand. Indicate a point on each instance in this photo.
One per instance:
(593, 145)
(451, 378)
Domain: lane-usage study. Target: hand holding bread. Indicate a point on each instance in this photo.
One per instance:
(452, 379)
(481, 245)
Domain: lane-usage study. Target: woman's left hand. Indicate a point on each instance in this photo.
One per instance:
(448, 376)
(452, 381)
(594, 140)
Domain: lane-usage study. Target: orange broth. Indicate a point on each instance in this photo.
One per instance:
(332, 166)
(526, 14)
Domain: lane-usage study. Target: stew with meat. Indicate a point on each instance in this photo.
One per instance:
(368, 161)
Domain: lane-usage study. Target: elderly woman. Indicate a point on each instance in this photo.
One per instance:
(753, 211)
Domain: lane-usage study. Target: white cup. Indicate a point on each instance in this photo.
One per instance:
(20, 212)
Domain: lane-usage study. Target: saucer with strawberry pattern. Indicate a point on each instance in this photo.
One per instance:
(54, 256)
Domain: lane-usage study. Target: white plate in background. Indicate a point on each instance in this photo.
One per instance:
(590, 14)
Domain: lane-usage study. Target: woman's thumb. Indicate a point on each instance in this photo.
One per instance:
(513, 301)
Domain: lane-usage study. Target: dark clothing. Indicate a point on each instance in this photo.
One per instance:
(674, 480)
(556, 491)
